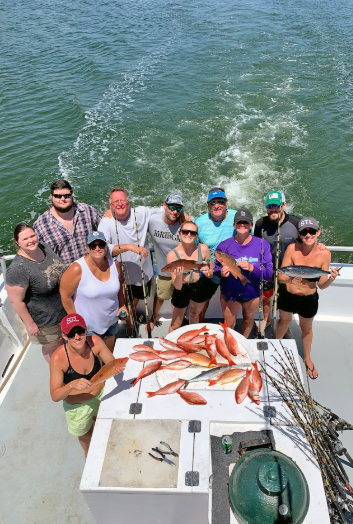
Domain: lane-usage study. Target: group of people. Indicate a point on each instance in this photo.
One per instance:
(77, 271)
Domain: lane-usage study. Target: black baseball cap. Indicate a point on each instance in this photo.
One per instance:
(243, 215)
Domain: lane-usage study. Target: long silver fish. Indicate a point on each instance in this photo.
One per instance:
(303, 271)
(206, 375)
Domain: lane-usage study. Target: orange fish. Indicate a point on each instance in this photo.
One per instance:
(109, 370)
(173, 387)
(167, 344)
(178, 364)
(223, 351)
(243, 388)
(148, 370)
(228, 376)
(189, 335)
(192, 398)
(211, 348)
(256, 377)
(253, 393)
(199, 360)
(144, 347)
(142, 356)
(230, 341)
(231, 263)
(172, 354)
(190, 347)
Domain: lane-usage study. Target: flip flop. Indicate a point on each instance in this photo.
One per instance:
(311, 370)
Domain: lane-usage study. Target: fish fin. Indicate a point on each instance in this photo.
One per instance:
(134, 382)
(212, 382)
(150, 393)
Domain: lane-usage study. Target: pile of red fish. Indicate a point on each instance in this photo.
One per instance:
(185, 352)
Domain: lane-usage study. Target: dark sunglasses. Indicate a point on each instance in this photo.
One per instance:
(78, 330)
(273, 206)
(59, 197)
(219, 201)
(244, 222)
(174, 208)
(101, 245)
(310, 230)
(188, 232)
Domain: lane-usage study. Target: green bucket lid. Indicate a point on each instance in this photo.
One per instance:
(267, 487)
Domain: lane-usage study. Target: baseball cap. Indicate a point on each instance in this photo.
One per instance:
(243, 214)
(71, 321)
(308, 222)
(95, 235)
(174, 198)
(274, 197)
(216, 193)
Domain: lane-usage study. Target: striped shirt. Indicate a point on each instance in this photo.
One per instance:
(69, 247)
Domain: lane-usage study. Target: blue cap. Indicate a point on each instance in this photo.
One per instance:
(217, 193)
(95, 235)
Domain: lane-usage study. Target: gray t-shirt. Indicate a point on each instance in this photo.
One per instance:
(127, 235)
(165, 237)
(41, 280)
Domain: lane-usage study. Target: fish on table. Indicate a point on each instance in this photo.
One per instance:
(148, 370)
(109, 370)
(242, 390)
(143, 356)
(192, 398)
(189, 335)
(172, 354)
(145, 347)
(224, 351)
(199, 360)
(207, 375)
(256, 377)
(177, 365)
(231, 375)
(230, 341)
(168, 344)
(173, 387)
(231, 263)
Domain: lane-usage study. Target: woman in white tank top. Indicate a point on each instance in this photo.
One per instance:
(93, 287)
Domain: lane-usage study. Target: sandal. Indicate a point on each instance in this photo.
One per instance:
(311, 370)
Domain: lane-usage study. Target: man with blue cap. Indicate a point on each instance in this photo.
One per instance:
(216, 225)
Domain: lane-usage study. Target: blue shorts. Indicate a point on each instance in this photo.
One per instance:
(111, 331)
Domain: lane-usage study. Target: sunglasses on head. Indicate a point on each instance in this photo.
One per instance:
(172, 207)
(77, 330)
(273, 206)
(100, 244)
(309, 230)
(219, 201)
(59, 197)
(188, 232)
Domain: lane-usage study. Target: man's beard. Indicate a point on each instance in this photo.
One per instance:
(64, 209)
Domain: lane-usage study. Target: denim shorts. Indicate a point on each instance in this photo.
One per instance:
(111, 331)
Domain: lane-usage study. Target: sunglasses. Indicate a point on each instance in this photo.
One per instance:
(188, 232)
(78, 330)
(174, 208)
(243, 222)
(273, 206)
(219, 201)
(94, 245)
(59, 197)
(310, 230)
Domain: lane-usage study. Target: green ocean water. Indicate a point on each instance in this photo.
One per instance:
(160, 95)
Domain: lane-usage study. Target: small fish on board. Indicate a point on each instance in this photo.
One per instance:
(168, 344)
(303, 271)
(223, 351)
(145, 347)
(189, 335)
(253, 393)
(230, 341)
(143, 356)
(109, 370)
(177, 365)
(242, 390)
(207, 375)
(192, 398)
(232, 375)
(256, 377)
(172, 354)
(187, 265)
(148, 370)
(199, 360)
(173, 387)
(231, 263)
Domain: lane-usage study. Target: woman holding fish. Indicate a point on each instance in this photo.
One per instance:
(190, 275)
(77, 376)
(298, 289)
(240, 261)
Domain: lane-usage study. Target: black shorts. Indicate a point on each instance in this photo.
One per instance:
(199, 292)
(137, 291)
(306, 306)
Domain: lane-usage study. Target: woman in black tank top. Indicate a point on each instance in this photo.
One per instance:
(194, 285)
(72, 366)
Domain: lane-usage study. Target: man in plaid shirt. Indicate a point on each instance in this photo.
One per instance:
(66, 224)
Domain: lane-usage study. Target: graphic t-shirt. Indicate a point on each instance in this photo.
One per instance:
(42, 281)
(165, 237)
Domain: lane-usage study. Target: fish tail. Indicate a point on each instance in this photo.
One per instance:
(231, 363)
(150, 393)
(212, 382)
(134, 382)
(224, 326)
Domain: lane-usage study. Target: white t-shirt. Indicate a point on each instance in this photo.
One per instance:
(127, 235)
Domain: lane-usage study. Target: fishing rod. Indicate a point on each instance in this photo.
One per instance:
(275, 298)
(127, 296)
(261, 330)
(143, 280)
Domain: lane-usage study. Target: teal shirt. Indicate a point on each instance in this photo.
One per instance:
(213, 233)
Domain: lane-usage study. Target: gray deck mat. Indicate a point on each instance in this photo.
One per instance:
(220, 471)
(42, 464)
